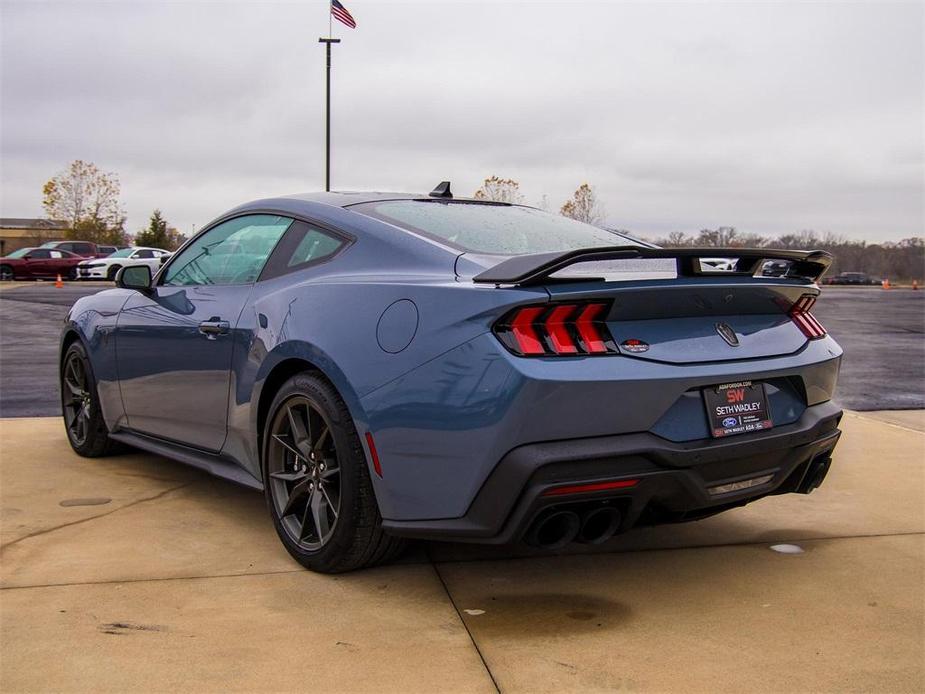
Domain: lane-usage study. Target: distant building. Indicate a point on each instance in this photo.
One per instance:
(23, 233)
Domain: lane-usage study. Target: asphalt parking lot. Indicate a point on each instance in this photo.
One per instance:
(881, 332)
(137, 573)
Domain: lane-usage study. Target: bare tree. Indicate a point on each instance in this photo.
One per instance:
(500, 190)
(87, 199)
(583, 206)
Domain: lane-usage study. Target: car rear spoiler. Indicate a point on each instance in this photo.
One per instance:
(536, 268)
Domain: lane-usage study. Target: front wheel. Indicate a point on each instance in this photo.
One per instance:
(112, 272)
(80, 405)
(317, 482)
(6, 273)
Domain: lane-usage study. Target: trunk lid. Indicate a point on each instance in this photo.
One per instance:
(675, 306)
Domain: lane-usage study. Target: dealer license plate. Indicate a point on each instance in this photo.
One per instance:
(737, 408)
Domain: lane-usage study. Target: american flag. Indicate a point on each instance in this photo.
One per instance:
(341, 14)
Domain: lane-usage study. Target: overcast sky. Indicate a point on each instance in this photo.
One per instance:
(770, 117)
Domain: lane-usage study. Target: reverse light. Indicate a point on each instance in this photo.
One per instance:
(805, 321)
(566, 329)
(592, 487)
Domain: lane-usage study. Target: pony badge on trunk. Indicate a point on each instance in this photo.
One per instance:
(728, 334)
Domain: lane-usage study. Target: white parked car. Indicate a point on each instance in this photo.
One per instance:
(106, 268)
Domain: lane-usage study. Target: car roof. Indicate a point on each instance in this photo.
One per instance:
(346, 198)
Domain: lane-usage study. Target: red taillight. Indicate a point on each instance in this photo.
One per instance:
(588, 330)
(806, 321)
(523, 332)
(557, 329)
(592, 487)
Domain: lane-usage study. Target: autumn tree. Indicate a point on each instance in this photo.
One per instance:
(500, 190)
(87, 199)
(583, 206)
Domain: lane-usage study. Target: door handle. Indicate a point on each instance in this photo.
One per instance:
(214, 327)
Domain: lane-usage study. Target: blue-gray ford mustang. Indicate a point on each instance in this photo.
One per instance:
(386, 366)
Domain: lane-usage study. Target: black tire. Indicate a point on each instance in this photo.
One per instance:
(72, 274)
(6, 273)
(355, 539)
(80, 405)
(112, 272)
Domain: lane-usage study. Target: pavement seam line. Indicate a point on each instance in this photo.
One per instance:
(153, 579)
(45, 531)
(889, 424)
(475, 645)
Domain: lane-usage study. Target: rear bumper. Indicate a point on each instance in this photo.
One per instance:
(674, 479)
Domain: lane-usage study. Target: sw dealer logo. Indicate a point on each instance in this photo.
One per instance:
(734, 395)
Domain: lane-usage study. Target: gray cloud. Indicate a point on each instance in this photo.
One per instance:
(768, 117)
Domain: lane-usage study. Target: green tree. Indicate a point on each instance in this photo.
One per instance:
(155, 235)
(583, 206)
(87, 199)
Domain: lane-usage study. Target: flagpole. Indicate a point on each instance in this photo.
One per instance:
(327, 113)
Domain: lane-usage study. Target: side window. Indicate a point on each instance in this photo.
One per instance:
(234, 252)
(144, 253)
(303, 245)
(40, 254)
(57, 254)
(80, 248)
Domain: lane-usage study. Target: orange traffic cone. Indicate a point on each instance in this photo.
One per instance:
(58, 282)
(886, 284)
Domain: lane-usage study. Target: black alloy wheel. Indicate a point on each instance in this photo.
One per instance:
(304, 473)
(6, 273)
(317, 480)
(83, 419)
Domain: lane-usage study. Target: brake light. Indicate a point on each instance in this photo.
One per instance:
(806, 321)
(565, 329)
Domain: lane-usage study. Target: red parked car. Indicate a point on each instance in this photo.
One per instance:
(35, 263)
(86, 249)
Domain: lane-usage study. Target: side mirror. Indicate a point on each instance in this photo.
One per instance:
(137, 277)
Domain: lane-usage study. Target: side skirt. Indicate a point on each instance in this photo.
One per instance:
(211, 463)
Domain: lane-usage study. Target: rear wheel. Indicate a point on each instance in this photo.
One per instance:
(80, 405)
(317, 482)
(6, 273)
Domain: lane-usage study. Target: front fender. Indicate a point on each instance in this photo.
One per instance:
(92, 320)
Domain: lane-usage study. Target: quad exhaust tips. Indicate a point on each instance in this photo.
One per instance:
(560, 527)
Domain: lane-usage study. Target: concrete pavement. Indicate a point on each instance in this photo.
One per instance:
(136, 573)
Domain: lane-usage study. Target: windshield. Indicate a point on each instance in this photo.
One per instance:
(491, 228)
(20, 253)
(124, 253)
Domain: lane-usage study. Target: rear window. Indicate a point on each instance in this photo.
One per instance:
(487, 228)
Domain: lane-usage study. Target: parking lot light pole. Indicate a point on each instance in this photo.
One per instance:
(327, 114)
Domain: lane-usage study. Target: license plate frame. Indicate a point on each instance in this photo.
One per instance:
(737, 408)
